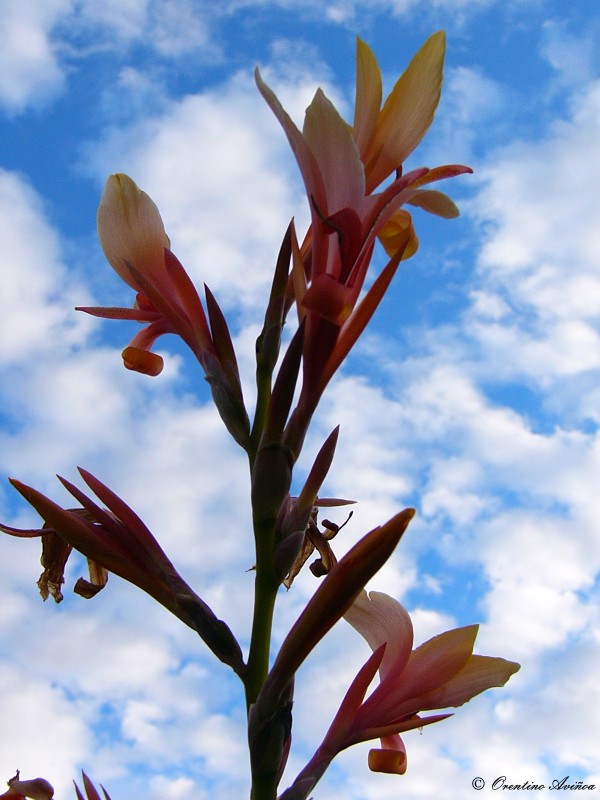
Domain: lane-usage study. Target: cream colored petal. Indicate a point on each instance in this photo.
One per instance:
(131, 230)
(478, 674)
(368, 97)
(430, 667)
(381, 619)
(408, 111)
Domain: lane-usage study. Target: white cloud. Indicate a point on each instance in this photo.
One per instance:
(511, 494)
(30, 68)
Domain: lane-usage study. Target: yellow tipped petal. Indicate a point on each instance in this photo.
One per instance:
(368, 97)
(408, 111)
(131, 229)
(478, 674)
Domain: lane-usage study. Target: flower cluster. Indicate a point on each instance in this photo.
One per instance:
(356, 189)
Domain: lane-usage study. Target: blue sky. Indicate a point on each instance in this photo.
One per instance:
(474, 396)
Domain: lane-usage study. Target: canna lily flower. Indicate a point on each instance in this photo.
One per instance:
(133, 237)
(115, 539)
(341, 166)
(441, 673)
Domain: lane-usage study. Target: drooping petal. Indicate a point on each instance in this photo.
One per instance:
(368, 97)
(408, 111)
(329, 299)
(36, 789)
(131, 229)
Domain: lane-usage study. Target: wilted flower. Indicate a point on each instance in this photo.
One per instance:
(117, 540)
(35, 789)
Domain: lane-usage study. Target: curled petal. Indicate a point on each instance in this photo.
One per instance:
(143, 361)
(391, 759)
(399, 233)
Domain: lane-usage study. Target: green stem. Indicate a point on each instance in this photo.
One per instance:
(265, 593)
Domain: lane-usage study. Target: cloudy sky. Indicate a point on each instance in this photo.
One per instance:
(474, 397)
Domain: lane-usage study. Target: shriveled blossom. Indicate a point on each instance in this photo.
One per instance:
(115, 539)
(341, 166)
(33, 788)
(441, 673)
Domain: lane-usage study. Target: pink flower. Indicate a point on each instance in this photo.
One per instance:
(133, 238)
(341, 166)
(132, 235)
(440, 673)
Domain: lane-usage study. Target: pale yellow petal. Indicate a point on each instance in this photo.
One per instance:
(131, 229)
(435, 202)
(408, 111)
(433, 664)
(368, 96)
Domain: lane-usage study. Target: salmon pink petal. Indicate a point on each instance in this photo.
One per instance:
(306, 160)
(329, 299)
(332, 144)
